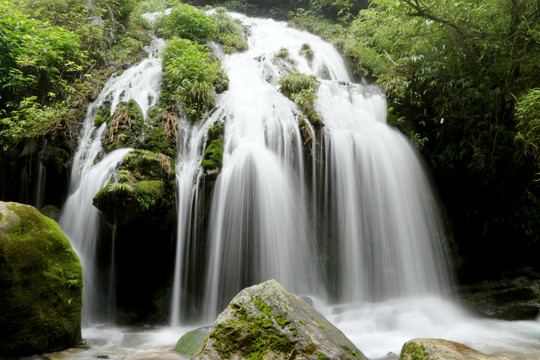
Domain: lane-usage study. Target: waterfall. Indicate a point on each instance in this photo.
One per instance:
(354, 222)
(192, 139)
(80, 219)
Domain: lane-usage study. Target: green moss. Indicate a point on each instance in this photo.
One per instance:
(190, 342)
(213, 155)
(252, 334)
(414, 351)
(98, 120)
(321, 325)
(40, 286)
(293, 330)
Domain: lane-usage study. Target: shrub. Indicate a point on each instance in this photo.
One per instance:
(187, 22)
(191, 76)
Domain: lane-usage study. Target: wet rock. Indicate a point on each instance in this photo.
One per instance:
(40, 284)
(192, 341)
(145, 185)
(514, 297)
(266, 322)
(439, 349)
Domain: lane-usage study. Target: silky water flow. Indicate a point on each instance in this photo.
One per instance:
(342, 213)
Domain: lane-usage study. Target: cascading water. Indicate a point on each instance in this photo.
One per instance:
(371, 212)
(188, 178)
(353, 224)
(80, 219)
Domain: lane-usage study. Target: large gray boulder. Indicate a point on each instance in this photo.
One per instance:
(438, 349)
(40, 284)
(266, 322)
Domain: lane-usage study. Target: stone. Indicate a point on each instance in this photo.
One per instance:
(192, 341)
(266, 322)
(145, 185)
(439, 349)
(40, 284)
(516, 296)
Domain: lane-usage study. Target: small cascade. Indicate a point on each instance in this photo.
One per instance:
(383, 225)
(80, 219)
(41, 178)
(192, 139)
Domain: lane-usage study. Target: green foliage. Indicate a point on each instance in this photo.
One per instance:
(31, 120)
(295, 82)
(46, 48)
(191, 77)
(302, 89)
(461, 79)
(528, 122)
(187, 22)
(231, 33)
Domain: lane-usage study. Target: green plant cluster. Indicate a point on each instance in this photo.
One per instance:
(191, 76)
(302, 89)
(52, 54)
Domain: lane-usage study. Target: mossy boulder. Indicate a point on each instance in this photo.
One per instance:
(266, 322)
(439, 349)
(192, 341)
(40, 284)
(145, 185)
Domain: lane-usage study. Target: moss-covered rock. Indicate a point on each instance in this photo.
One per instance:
(160, 131)
(40, 284)
(124, 127)
(439, 349)
(302, 89)
(213, 155)
(192, 341)
(145, 185)
(267, 322)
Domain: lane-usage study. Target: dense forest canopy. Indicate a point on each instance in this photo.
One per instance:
(462, 79)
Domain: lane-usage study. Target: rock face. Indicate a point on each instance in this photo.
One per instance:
(514, 297)
(266, 322)
(438, 349)
(40, 284)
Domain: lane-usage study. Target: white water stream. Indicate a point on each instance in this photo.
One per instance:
(80, 219)
(354, 226)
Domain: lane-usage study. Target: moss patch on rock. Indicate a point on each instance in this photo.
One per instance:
(124, 126)
(266, 322)
(144, 185)
(302, 90)
(213, 155)
(40, 284)
(192, 341)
